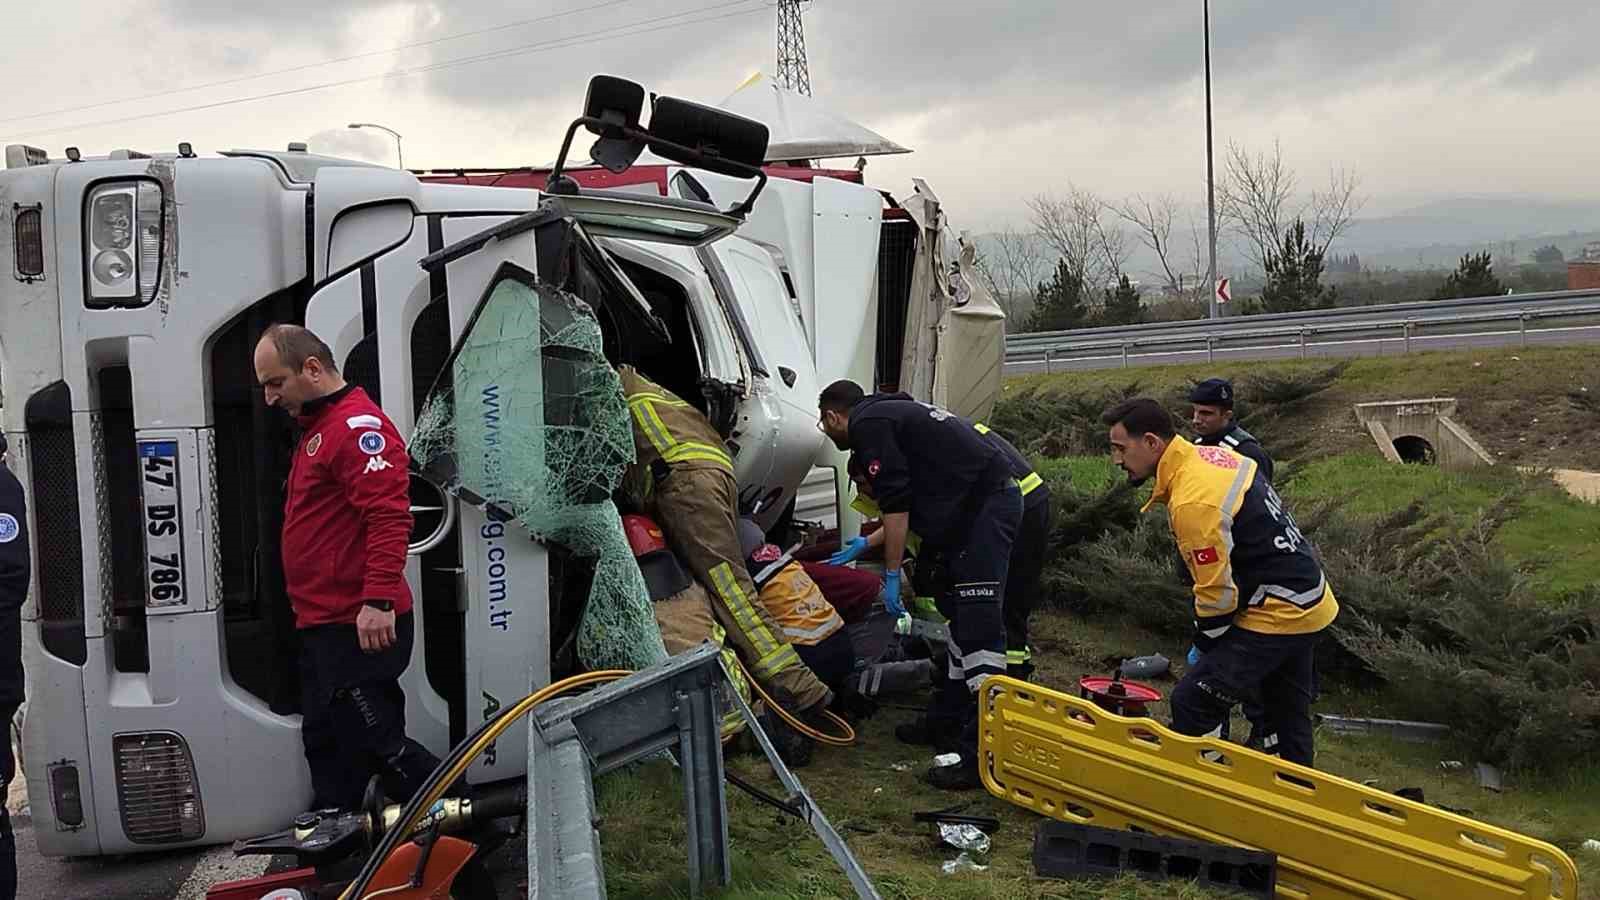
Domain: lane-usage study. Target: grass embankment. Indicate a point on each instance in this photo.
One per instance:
(779, 858)
(1536, 407)
(1471, 585)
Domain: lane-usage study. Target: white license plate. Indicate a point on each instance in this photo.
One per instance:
(163, 527)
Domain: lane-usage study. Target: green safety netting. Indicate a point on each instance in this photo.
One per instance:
(529, 421)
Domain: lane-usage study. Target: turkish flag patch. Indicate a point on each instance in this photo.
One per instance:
(1206, 556)
(872, 469)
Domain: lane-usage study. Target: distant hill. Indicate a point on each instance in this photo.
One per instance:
(1432, 235)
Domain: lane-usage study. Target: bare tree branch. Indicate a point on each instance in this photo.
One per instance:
(1256, 201)
(1010, 268)
(1333, 210)
(1253, 198)
(1075, 227)
(1152, 218)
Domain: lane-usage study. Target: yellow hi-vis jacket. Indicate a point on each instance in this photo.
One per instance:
(668, 428)
(1252, 567)
(807, 618)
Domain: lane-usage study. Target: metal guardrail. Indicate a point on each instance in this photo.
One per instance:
(1400, 322)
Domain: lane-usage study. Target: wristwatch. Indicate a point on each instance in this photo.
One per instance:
(380, 605)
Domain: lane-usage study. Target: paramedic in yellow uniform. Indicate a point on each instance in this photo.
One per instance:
(1261, 601)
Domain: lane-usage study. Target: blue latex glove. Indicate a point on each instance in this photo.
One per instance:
(891, 593)
(1194, 655)
(850, 552)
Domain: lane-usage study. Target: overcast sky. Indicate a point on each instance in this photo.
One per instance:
(1000, 100)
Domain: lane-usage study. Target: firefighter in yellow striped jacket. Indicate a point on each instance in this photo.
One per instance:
(683, 477)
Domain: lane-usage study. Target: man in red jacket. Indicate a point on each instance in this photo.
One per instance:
(346, 524)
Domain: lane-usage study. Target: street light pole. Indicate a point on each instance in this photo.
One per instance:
(395, 134)
(1211, 184)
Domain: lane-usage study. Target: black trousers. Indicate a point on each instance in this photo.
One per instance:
(1278, 671)
(8, 841)
(974, 602)
(1022, 579)
(354, 724)
(832, 659)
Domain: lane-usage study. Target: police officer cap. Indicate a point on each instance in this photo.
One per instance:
(1213, 392)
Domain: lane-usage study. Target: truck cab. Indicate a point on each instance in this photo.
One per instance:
(158, 642)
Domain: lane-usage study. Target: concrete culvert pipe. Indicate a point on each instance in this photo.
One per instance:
(1413, 449)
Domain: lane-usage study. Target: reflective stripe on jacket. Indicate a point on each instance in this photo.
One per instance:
(807, 618)
(1252, 566)
(668, 428)
(1027, 480)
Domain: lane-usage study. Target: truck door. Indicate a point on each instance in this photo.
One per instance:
(511, 392)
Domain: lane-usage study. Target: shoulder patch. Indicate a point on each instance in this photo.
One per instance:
(371, 443)
(1230, 440)
(365, 420)
(1218, 457)
(315, 444)
(873, 468)
(9, 529)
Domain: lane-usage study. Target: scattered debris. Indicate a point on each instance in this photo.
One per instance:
(1452, 765)
(1399, 729)
(1489, 778)
(946, 759)
(877, 790)
(1371, 782)
(964, 837)
(1591, 845)
(1152, 666)
(900, 767)
(963, 863)
(952, 815)
(1069, 850)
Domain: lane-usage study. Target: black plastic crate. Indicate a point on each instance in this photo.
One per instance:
(1066, 850)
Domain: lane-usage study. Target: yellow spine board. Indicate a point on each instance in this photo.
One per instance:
(1066, 758)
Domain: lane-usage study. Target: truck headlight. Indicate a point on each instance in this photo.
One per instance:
(123, 232)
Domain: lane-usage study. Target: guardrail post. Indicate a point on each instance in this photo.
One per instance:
(1406, 329)
(1522, 326)
(1210, 347)
(1302, 343)
(1124, 356)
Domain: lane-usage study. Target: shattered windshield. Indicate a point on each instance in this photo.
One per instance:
(529, 423)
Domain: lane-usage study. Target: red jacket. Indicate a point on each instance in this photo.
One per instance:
(347, 516)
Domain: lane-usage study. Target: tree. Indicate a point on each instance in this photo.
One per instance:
(1122, 305)
(1009, 267)
(1294, 274)
(1473, 277)
(1076, 227)
(1256, 200)
(1059, 303)
(1152, 219)
(1549, 255)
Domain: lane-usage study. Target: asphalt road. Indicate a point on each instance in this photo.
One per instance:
(174, 875)
(1387, 346)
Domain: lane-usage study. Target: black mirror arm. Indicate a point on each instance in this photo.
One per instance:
(610, 127)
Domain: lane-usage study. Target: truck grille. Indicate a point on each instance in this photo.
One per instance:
(157, 791)
(53, 468)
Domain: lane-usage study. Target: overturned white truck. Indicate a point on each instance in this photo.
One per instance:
(157, 640)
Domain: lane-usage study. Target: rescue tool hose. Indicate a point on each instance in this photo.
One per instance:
(457, 763)
(846, 737)
(461, 758)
